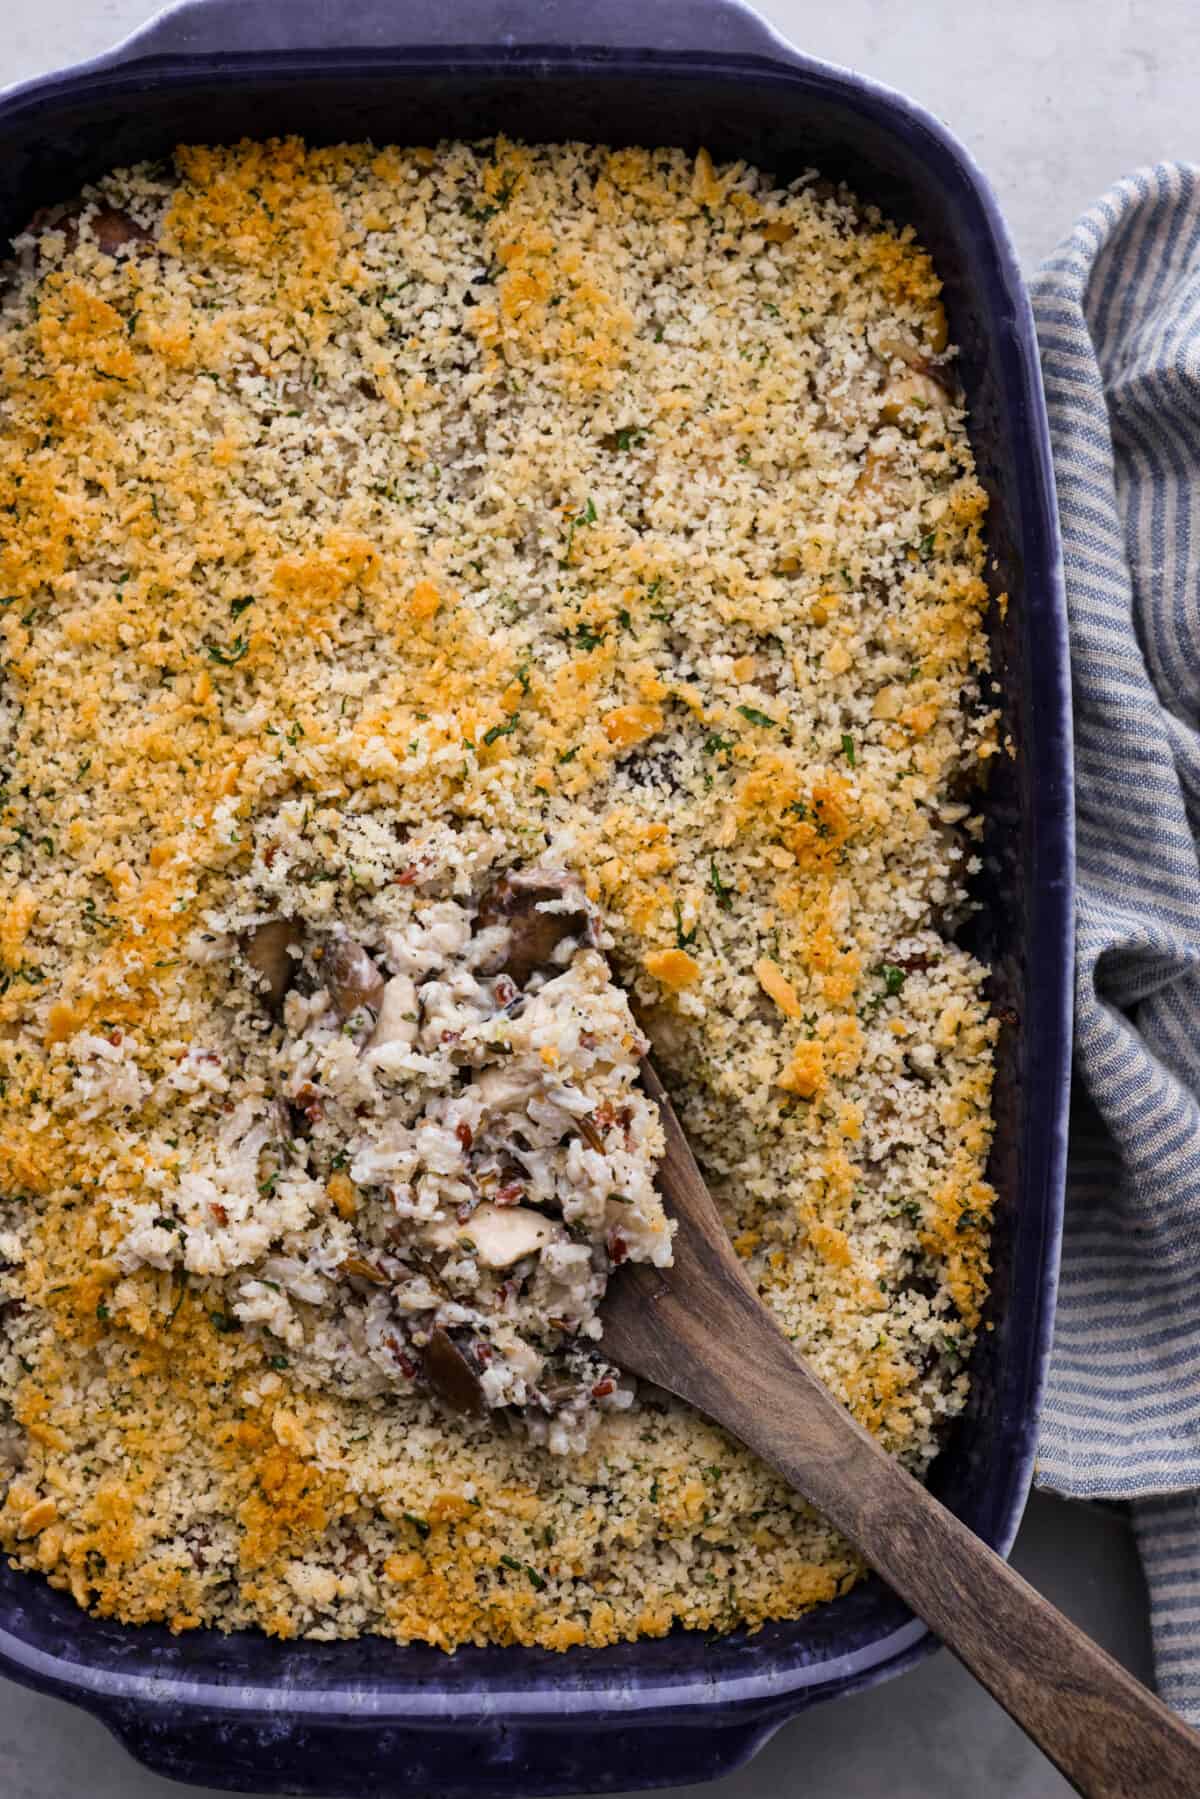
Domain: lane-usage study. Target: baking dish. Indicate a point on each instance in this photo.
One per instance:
(250, 1713)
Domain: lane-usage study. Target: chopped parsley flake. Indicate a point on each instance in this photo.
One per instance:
(724, 895)
(683, 939)
(504, 730)
(227, 655)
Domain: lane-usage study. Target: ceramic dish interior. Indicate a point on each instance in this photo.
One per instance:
(362, 1717)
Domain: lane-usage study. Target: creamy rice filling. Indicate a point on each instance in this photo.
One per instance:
(436, 1150)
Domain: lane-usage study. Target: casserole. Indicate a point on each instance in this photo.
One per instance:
(362, 1716)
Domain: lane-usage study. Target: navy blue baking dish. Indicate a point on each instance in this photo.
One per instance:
(251, 1714)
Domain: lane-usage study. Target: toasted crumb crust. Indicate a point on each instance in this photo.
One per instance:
(608, 497)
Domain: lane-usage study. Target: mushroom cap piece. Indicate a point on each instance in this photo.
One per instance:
(515, 900)
(451, 1375)
(268, 949)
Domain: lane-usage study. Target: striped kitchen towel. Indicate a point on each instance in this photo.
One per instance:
(1118, 316)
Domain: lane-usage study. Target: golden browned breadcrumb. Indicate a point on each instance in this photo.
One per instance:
(612, 497)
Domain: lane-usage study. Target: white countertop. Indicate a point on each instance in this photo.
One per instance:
(1056, 98)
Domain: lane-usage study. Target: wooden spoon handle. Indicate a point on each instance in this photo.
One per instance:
(1108, 1734)
(1099, 1725)
(700, 1329)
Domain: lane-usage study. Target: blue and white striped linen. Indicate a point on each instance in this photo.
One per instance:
(1118, 318)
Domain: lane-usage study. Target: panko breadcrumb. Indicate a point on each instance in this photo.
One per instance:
(608, 500)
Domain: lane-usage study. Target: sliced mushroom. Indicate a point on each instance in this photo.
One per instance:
(268, 949)
(895, 347)
(533, 935)
(500, 1088)
(352, 978)
(111, 228)
(914, 392)
(503, 1234)
(397, 1021)
(114, 229)
(451, 1375)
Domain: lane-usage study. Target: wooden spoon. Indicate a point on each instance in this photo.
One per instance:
(699, 1329)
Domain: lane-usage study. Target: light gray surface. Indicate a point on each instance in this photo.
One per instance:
(1055, 99)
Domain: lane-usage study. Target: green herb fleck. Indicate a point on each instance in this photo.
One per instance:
(180, 1290)
(724, 895)
(758, 718)
(587, 639)
(499, 731)
(683, 938)
(227, 656)
(587, 517)
(484, 213)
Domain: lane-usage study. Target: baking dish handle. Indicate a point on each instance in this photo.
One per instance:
(242, 27)
(351, 1761)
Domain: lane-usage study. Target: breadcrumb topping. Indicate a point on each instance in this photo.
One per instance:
(615, 501)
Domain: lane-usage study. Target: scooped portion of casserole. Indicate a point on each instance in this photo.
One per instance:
(468, 612)
(455, 1070)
